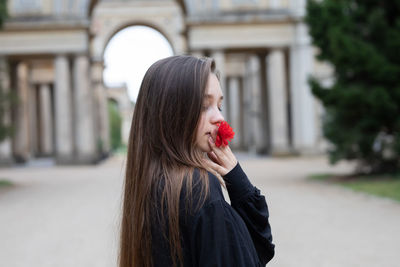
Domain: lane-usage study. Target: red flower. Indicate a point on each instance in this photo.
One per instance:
(224, 135)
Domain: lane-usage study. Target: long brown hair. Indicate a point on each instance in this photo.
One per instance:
(162, 154)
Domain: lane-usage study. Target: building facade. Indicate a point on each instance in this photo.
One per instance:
(51, 57)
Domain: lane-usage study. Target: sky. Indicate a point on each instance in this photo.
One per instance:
(130, 53)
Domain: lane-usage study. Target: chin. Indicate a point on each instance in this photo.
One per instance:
(206, 148)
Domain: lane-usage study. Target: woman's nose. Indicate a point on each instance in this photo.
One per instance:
(217, 116)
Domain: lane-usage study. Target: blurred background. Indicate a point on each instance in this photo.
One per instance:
(305, 84)
(70, 61)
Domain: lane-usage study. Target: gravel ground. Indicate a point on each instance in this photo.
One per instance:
(69, 216)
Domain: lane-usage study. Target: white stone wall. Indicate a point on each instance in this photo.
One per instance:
(57, 8)
(209, 7)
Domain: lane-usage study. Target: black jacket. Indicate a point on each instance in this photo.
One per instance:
(219, 234)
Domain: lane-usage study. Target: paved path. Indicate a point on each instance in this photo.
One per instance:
(69, 216)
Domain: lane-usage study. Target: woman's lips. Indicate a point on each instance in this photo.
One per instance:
(213, 133)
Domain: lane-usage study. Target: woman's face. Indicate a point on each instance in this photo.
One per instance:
(210, 115)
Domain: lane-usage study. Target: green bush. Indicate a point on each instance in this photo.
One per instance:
(3, 11)
(4, 129)
(115, 125)
(361, 39)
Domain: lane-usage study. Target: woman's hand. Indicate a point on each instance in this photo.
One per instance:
(221, 158)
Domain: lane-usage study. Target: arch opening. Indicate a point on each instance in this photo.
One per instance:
(128, 55)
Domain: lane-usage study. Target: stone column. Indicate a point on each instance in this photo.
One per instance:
(5, 145)
(247, 134)
(63, 114)
(21, 137)
(276, 77)
(102, 124)
(235, 110)
(46, 123)
(264, 105)
(303, 113)
(258, 138)
(219, 58)
(33, 121)
(84, 121)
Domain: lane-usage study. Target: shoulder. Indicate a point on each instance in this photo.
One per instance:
(205, 188)
(214, 186)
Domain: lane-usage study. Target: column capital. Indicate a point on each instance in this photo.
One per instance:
(61, 56)
(218, 52)
(197, 53)
(280, 49)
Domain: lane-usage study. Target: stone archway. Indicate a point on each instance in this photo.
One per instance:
(110, 17)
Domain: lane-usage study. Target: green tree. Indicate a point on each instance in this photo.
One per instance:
(5, 129)
(115, 125)
(3, 11)
(361, 39)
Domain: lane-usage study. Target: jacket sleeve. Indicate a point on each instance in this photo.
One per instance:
(252, 207)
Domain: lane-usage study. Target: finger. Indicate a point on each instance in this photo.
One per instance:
(230, 154)
(217, 151)
(213, 157)
(227, 159)
(219, 169)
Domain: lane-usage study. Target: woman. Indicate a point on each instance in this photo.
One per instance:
(174, 212)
